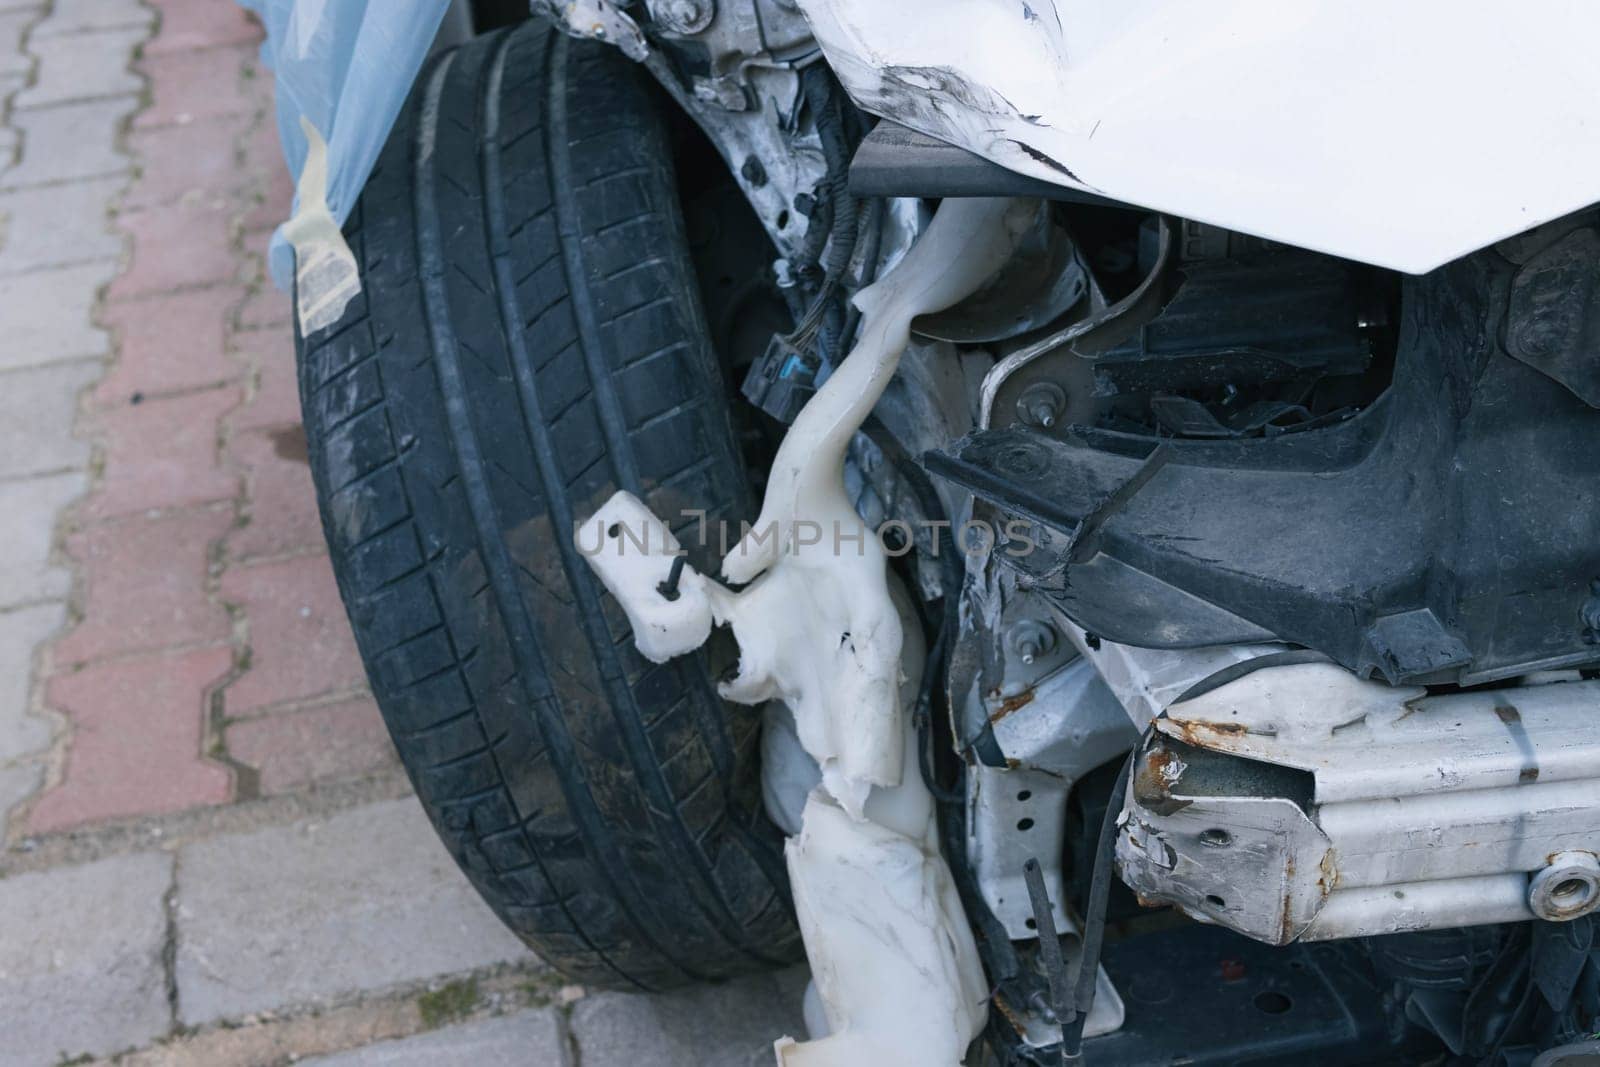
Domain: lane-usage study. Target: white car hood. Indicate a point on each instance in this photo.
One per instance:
(1402, 135)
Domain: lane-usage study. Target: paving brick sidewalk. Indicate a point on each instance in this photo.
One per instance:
(210, 855)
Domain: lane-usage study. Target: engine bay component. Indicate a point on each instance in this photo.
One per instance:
(1051, 733)
(897, 969)
(1568, 887)
(1041, 282)
(894, 160)
(1446, 533)
(1302, 803)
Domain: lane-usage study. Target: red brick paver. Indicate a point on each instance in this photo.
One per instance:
(187, 25)
(300, 641)
(180, 245)
(291, 749)
(205, 593)
(137, 732)
(145, 584)
(199, 84)
(163, 454)
(170, 343)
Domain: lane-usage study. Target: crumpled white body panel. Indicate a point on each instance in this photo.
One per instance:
(891, 953)
(1403, 135)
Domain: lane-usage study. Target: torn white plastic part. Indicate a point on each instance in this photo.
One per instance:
(816, 628)
(325, 274)
(877, 907)
(891, 953)
(889, 946)
(634, 553)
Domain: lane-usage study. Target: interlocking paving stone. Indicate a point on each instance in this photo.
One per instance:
(276, 400)
(162, 453)
(728, 1025)
(190, 24)
(197, 159)
(18, 781)
(46, 226)
(189, 86)
(303, 914)
(299, 635)
(169, 343)
(28, 510)
(75, 16)
(36, 414)
(145, 586)
(283, 503)
(80, 959)
(178, 245)
(526, 1039)
(82, 66)
(69, 142)
(44, 315)
(14, 59)
(266, 308)
(137, 739)
(21, 631)
(291, 749)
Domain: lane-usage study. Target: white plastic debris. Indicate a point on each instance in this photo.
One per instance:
(891, 953)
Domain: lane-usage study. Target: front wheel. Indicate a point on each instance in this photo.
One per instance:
(528, 340)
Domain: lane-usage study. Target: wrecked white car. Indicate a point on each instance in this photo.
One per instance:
(1083, 520)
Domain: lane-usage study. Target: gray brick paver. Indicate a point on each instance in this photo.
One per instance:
(80, 959)
(304, 914)
(28, 510)
(69, 142)
(727, 1025)
(37, 408)
(45, 316)
(51, 225)
(21, 630)
(75, 16)
(81, 66)
(13, 25)
(526, 1039)
(18, 782)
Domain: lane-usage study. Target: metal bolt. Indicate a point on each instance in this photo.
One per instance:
(684, 16)
(1030, 639)
(1041, 404)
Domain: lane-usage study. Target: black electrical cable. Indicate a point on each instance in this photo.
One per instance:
(1094, 929)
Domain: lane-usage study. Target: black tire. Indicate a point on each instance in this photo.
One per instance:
(528, 340)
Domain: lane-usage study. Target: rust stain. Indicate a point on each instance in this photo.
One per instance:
(1286, 913)
(1153, 778)
(1529, 774)
(1507, 714)
(1329, 880)
(1010, 704)
(1207, 734)
(1016, 1022)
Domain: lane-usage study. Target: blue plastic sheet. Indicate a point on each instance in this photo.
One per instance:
(344, 67)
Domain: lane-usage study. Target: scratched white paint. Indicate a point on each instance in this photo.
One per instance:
(1403, 135)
